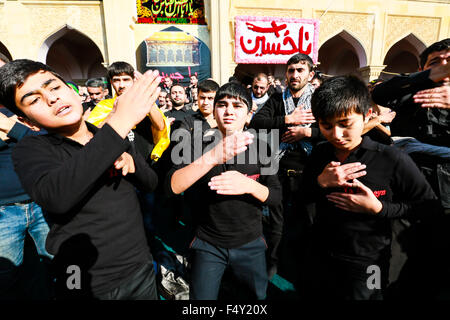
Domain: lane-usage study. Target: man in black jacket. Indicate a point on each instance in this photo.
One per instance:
(289, 113)
(85, 179)
(422, 126)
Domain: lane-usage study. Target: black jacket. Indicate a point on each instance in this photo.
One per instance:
(88, 201)
(428, 125)
(396, 182)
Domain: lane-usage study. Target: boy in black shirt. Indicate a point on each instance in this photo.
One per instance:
(358, 186)
(85, 179)
(230, 196)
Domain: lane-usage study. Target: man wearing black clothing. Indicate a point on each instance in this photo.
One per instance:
(289, 113)
(422, 103)
(85, 179)
(230, 197)
(180, 109)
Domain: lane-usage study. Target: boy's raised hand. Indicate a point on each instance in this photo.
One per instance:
(363, 200)
(231, 146)
(135, 103)
(337, 175)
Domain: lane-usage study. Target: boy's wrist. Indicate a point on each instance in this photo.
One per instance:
(120, 124)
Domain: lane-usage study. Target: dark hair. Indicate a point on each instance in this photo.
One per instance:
(208, 86)
(340, 96)
(96, 83)
(296, 58)
(4, 58)
(177, 85)
(13, 75)
(120, 67)
(435, 47)
(234, 90)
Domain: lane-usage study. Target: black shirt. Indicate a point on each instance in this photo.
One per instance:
(428, 125)
(84, 195)
(396, 182)
(223, 220)
(179, 115)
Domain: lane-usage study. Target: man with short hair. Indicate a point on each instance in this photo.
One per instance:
(97, 90)
(122, 77)
(192, 89)
(260, 86)
(206, 92)
(290, 113)
(180, 109)
(167, 84)
(162, 100)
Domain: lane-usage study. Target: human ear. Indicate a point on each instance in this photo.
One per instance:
(311, 75)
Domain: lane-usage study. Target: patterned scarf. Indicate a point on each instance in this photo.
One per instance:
(289, 107)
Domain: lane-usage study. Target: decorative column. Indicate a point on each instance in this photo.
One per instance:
(370, 73)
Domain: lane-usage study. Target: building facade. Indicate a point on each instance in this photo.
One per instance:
(79, 39)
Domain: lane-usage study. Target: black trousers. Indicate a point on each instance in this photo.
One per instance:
(140, 286)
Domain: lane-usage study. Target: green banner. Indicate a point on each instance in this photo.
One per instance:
(171, 11)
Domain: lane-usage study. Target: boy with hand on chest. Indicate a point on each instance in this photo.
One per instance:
(229, 190)
(358, 185)
(85, 179)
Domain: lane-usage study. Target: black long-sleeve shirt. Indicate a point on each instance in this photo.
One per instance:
(393, 178)
(428, 125)
(229, 221)
(83, 194)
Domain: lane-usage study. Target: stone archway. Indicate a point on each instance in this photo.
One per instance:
(403, 56)
(342, 54)
(73, 55)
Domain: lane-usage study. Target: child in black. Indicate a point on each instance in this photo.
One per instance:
(359, 185)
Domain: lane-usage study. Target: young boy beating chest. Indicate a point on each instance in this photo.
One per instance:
(358, 185)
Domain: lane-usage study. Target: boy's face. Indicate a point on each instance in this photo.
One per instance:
(206, 102)
(343, 132)
(48, 102)
(230, 114)
(121, 83)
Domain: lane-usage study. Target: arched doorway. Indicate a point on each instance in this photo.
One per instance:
(403, 57)
(342, 54)
(73, 55)
(5, 51)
